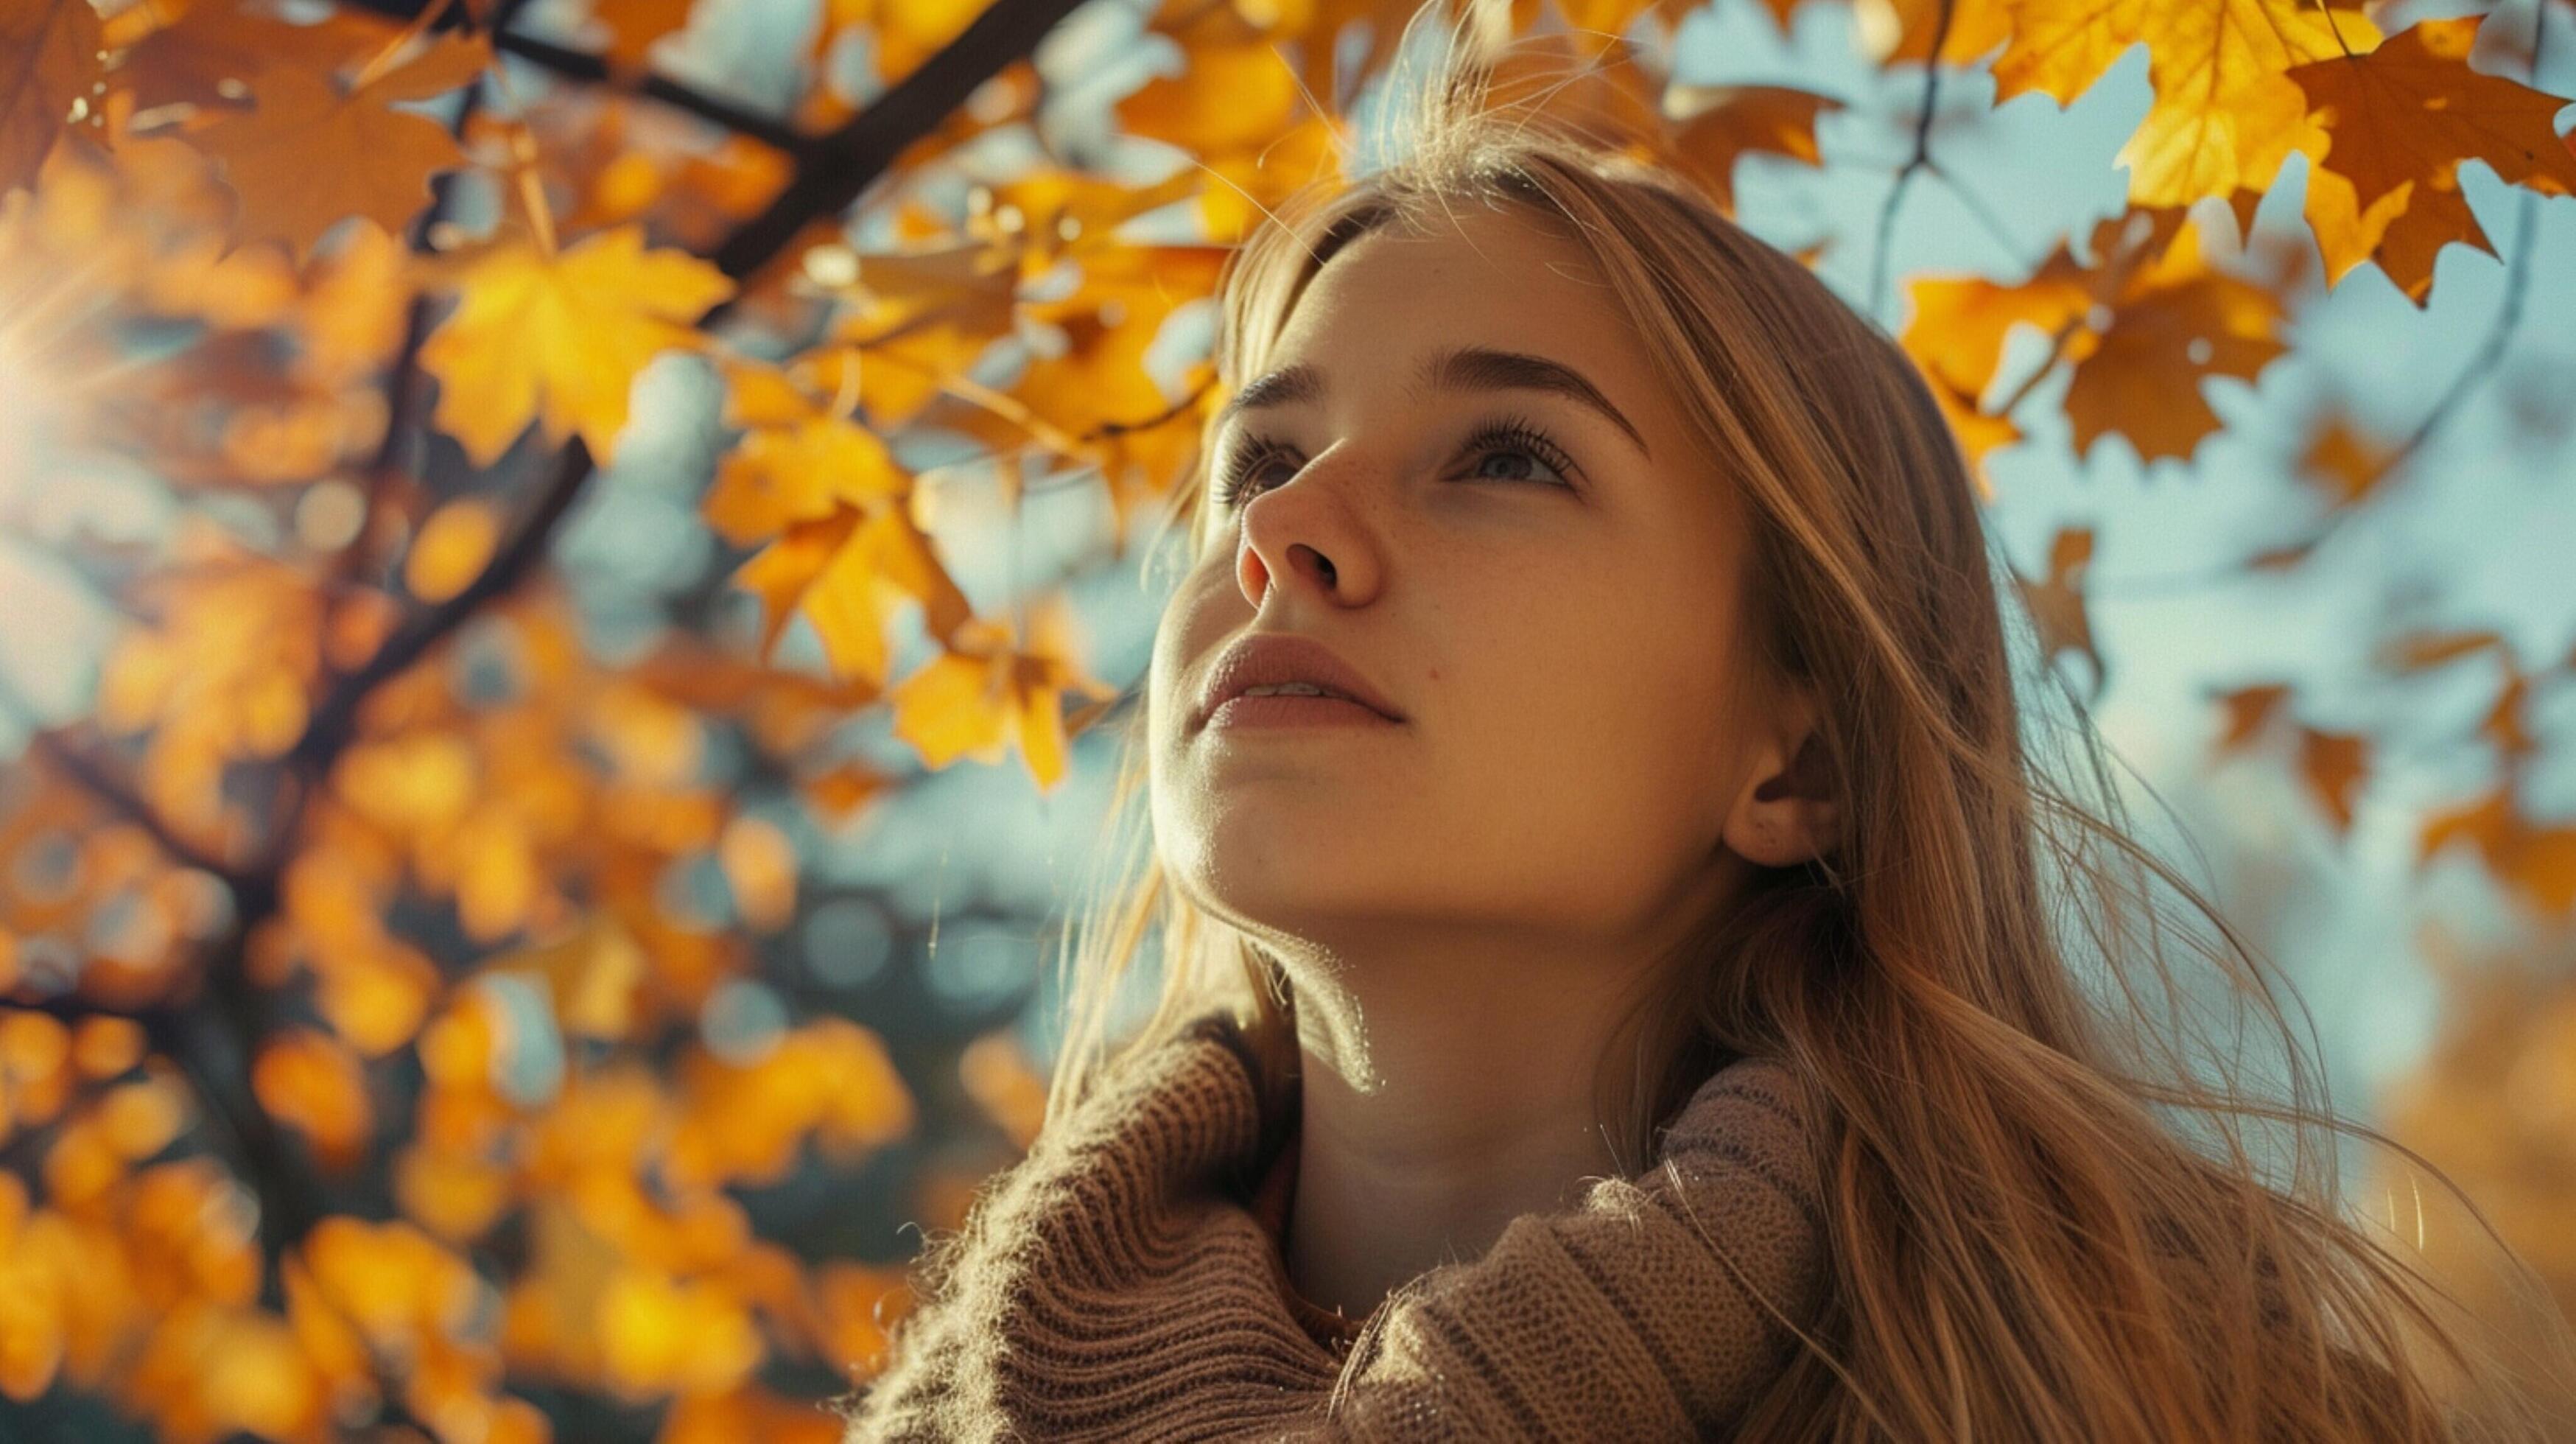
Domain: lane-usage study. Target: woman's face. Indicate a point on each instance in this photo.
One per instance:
(1551, 607)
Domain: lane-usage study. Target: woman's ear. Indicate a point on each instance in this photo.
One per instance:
(1786, 812)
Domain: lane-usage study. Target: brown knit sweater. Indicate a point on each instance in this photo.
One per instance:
(1124, 1280)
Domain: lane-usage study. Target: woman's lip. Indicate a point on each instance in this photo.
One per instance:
(1281, 710)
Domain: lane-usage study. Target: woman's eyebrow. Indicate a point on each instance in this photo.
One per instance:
(1459, 368)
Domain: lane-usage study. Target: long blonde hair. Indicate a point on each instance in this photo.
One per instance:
(2022, 1245)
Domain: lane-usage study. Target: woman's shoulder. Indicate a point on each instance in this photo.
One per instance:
(1754, 1115)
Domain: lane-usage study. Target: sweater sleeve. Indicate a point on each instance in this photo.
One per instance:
(1645, 1305)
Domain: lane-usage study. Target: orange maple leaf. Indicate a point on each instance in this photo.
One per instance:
(211, 54)
(2143, 325)
(2334, 764)
(1723, 124)
(2391, 128)
(2410, 111)
(48, 61)
(560, 338)
(2537, 859)
(635, 25)
(2248, 709)
(2056, 602)
(310, 156)
(2175, 322)
(2342, 460)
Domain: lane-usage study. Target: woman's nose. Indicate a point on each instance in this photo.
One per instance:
(1301, 534)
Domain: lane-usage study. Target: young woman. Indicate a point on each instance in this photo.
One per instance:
(1641, 989)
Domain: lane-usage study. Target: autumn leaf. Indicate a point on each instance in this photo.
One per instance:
(1227, 97)
(983, 693)
(635, 25)
(2536, 859)
(559, 339)
(840, 573)
(2335, 765)
(2342, 461)
(1722, 124)
(592, 975)
(759, 863)
(1894, 32)
(2056, 602)
(454, 543)
(2225, 113)
(49, 60)
(2248, 709)
(372, 160)
(2416, 651)
(777, 476)
(2175, 322)
(312, 1081)
(2410, 111)
(1959, 326)
(2142, 326)
(214, 51)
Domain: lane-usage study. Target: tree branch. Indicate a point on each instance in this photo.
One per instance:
(592, 69)
(94, 777)
(833, 170)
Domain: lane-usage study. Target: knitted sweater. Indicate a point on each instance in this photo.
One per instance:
(1124, 1280)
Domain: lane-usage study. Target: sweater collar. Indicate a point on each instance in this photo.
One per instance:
(1126, 1279)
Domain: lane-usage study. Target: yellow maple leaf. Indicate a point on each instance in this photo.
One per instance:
(983, 692)
(778, 475)
(560, 338)
(1894, 32)
(1227, 97)
(2225, 115)
(841, 572)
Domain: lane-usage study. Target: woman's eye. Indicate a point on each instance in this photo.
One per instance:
(1514, 441)
(1519, 439)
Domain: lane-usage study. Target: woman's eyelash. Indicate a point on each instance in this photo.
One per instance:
(1509, 433)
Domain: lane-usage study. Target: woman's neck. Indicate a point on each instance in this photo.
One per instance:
(1422, 1136)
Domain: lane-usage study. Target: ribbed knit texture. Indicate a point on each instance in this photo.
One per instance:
(1123, 1280)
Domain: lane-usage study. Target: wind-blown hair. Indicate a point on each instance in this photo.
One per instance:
(2045, 1219)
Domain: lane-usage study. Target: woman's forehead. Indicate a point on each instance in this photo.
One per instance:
(1392, 318)
(1478, 266)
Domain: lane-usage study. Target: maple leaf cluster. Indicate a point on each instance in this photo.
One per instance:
(362, 1064)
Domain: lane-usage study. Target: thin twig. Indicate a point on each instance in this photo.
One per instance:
(1919, 160)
